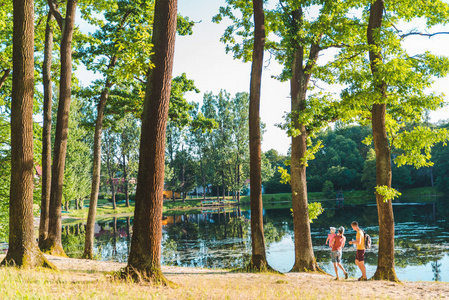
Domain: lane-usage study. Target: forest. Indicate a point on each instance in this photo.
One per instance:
(133, 133)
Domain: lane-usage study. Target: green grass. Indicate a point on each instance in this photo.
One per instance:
(420, 192)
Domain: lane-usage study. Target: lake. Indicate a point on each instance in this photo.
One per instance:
(221, 239)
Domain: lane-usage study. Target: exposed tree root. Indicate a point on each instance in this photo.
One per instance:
(307, 268)
(258, 265)
(151, 275)
(52, 249)
(87, 255)
(28, 260)
(385, 274)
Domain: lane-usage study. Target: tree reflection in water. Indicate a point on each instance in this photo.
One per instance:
(221, 238)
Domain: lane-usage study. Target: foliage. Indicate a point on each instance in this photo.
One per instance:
(77, 180)
(387, 193)
(315, 210)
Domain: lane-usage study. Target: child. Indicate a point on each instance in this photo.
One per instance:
(330, 237)
(337, 244)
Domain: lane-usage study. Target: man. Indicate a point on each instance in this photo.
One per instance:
(360, 255)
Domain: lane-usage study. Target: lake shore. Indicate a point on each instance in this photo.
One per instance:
(87, 279)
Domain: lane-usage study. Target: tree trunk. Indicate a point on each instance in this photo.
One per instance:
(238, 183)
(125, 178)
(96, 172)
(183, 189)
(23, 250)
(46, 133)
(304, 257)
(52, 244)
(203, 176)
(111, 175)
(4, 77)
(258, 255)
(385, 263)
(223, 181)
(114, 203)
(145, 257)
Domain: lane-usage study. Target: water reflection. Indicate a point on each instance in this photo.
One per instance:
(221, 239)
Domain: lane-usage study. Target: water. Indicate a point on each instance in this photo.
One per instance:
(222, 240)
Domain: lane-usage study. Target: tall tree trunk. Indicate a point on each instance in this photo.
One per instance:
(203, 176)
(23, 250)
(114, 202)
(145, 257)
(258, 255)
(304, 257)
(223, 181)
(52, 244)
(385, 263)
(125, 182)
(96, 172)
(183, 189)
(238, 183)
(111, 174)
(4, 77)
(46, 133)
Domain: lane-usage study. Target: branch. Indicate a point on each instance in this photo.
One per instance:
(422, 34)
(139, 79)
(5, 75)
(313, 55)
(56, 13)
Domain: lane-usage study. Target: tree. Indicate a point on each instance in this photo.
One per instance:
(145, 256)
(23, 250)
(258, 254)
(388, 91)
(46, 132)
(129, 136)
(110, 147)
(78, 163)
(124, 20)
(240, 113)
(52, 244)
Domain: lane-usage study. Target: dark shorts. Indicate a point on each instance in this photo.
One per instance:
(336, 256)
(360, 255)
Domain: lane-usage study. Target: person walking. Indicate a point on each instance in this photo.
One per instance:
(337, 244)
(360, 255)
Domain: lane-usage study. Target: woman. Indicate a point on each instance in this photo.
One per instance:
(337, 244)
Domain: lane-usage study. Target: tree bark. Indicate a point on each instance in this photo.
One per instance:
(145, 257)
(258, 255)
(385, 263)
(46, 133)
(96, 172)
(304, 256)
(52, 244)
(23, 250)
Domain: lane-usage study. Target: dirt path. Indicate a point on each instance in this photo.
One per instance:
(207, 283)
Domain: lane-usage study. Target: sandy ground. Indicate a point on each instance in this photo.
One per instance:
(196, 283)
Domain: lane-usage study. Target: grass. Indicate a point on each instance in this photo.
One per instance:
(199, 284)
(44, 284)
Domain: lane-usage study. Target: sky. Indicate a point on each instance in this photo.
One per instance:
(203, 58)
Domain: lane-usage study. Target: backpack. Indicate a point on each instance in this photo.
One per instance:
(367, 239)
